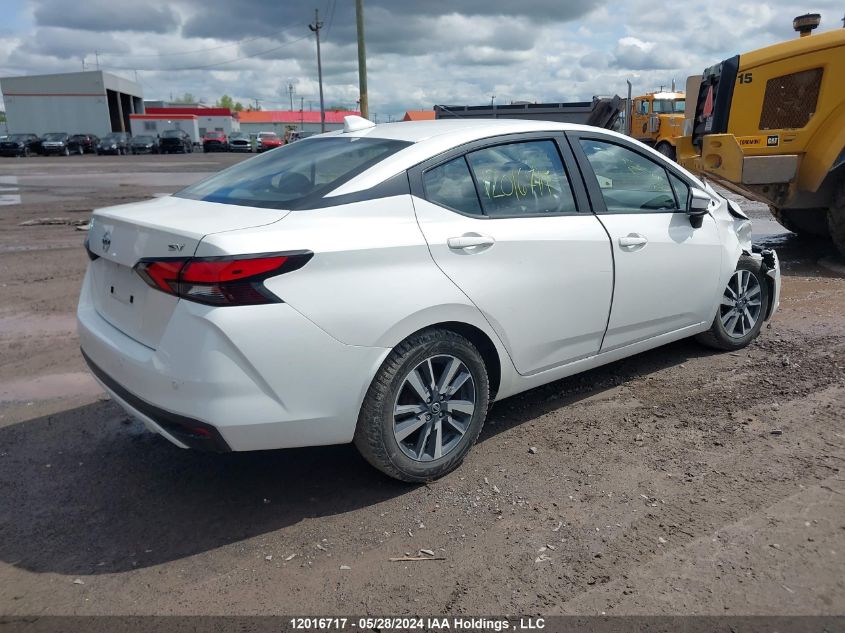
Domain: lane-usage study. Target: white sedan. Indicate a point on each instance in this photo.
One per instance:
(383, 285)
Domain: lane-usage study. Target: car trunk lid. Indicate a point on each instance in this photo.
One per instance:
(162, 228)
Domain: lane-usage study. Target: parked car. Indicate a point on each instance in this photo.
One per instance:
(83, 144)
(55, 143)
(383, 285)
(175, 141)
(239, 142)
(114, 143)
(298, 135)
(215, 141)
(144, 144)
(267, 140)
(20, 145)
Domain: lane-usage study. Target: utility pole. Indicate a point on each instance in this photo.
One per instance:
(290, 93)
(362, 60)
(301, 113)
(97, 57)
(316, 29)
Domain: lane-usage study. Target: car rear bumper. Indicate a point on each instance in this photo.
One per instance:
(183, 431)
(233, 378)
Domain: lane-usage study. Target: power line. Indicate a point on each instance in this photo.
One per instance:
(330, 20)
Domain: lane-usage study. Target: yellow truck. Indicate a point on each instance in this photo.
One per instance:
(657, 119)
(770, 125)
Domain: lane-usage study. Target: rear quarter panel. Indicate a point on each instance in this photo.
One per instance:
(371, 282)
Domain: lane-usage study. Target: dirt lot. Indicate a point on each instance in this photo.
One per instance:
(680, 481)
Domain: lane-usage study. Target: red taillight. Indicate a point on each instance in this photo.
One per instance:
(162, 274)
(211, 271)
(220, 280)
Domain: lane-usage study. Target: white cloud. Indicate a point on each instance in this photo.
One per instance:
(419, 53)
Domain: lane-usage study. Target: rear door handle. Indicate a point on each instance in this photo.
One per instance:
(633, 240)
(469, 241)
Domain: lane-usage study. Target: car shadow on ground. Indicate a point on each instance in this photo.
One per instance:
(87, 491)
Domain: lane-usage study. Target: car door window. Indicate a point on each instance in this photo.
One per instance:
(450, 185)
(629, 182)
(520, 179)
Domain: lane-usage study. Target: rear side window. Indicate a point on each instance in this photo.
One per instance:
(294, 173)
(629, 182)
(525, 178)
(450, 185)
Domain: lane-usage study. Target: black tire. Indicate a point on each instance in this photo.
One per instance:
(667, 149)
(26, 152)
(67, 151)
(836, 219)
(80, 150)
(374, 434)
(717, 336)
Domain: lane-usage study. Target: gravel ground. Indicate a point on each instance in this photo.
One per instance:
(680, 481)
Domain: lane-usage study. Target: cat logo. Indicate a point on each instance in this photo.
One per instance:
(772, 141)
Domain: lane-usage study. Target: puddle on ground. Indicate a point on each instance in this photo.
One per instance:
(48, 387)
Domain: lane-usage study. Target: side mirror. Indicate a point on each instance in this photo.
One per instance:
(699, 204)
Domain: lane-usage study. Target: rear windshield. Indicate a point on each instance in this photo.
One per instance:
(19, 137)
(214, 134)
(292, 174)
(143, 139)
(55, 136)
(171, 134)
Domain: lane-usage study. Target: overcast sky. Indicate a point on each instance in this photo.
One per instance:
(419, 52)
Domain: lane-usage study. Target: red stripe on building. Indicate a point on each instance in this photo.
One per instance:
(194, 111)
(162, 117)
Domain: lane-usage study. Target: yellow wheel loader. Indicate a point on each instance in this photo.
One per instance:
(770, 125)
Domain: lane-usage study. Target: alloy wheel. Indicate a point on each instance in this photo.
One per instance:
(741, 304)
(434, 408)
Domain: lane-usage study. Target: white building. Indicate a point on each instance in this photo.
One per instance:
(208, 119)
(91, 102)
(155, 124)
